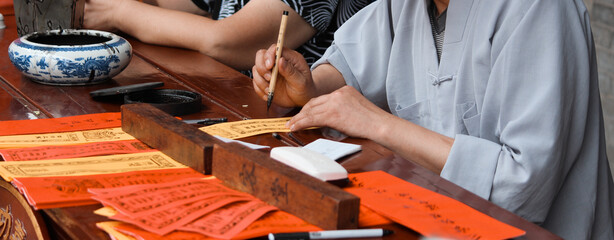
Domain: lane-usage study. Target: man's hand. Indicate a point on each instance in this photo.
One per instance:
(295, 86)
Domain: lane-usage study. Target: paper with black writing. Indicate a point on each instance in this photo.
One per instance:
(247, 128)
(68, 191)
(64, 138)
(427, 212)
(191, 204)
(74, 151)
(88, 165)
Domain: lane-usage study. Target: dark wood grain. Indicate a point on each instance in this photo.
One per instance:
(180, 141)
(315, 201)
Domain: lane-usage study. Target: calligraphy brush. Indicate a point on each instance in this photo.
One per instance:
(280, 45)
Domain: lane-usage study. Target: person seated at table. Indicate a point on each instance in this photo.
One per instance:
(499, 97)
(233, 30)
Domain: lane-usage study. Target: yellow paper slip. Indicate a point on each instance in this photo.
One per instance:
(88, 166)
(64, 138)
(105, 211)
(109, 228)
(247, 128)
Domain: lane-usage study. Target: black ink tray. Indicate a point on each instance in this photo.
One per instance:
(173, 101)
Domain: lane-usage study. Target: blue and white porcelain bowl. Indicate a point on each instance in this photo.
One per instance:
(70, 57)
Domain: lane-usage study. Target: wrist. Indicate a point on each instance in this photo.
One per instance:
(116, 12)
(326, 79)
(383, 129)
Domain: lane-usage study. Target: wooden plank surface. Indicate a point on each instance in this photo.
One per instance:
(315, 201)
(180, 141)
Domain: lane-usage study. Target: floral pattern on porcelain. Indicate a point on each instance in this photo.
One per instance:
(71, 64)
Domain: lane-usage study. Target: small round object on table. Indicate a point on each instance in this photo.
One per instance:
(70, 57)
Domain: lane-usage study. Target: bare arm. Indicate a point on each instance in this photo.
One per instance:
(233, 40)
(179, 5)
(420, 145)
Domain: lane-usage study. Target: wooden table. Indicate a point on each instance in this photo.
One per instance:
(226, 93)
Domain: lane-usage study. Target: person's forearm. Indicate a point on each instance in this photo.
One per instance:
(184, 30)
(233, 41)
(327, 79)
(157, 25)
(420, 145)
(179, 5)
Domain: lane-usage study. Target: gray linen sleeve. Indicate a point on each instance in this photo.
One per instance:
(536, 104)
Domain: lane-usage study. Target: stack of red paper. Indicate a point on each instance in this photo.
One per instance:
(198, 205)
(272, 222)
(64, 191)
(67, 191)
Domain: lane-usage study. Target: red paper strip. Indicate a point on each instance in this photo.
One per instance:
(276, 222)
(140, 234)
(369, 218)
(165, 220)
(64, 124)
(50, 192)
(191, 204)
(427, 212)
(272, 222)
(230, 220)
(74, 151)
(138, 201)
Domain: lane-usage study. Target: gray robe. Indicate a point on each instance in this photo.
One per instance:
(516, 88)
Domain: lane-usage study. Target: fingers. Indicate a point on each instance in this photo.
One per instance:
(264, 62)
(294, 86)
(314, 114)
(335, 110)
(260, 66)
(288, 70)
(261, 70)
(269, 57)
(260, 84)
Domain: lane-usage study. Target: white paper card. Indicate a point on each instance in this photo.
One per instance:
(333, 149)
(249, 145)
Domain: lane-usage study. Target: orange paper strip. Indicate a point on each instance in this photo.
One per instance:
(165, 220)
(272, 222)
(50, 192)
(141, 200)
(369, 218)
(429, 213)
(228, 221)
(64, 124)
(140, 234)
(276, 222)
(74, 151)
(192, 204)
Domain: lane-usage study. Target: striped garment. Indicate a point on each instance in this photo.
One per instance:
(438, 26)
(324, 16)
